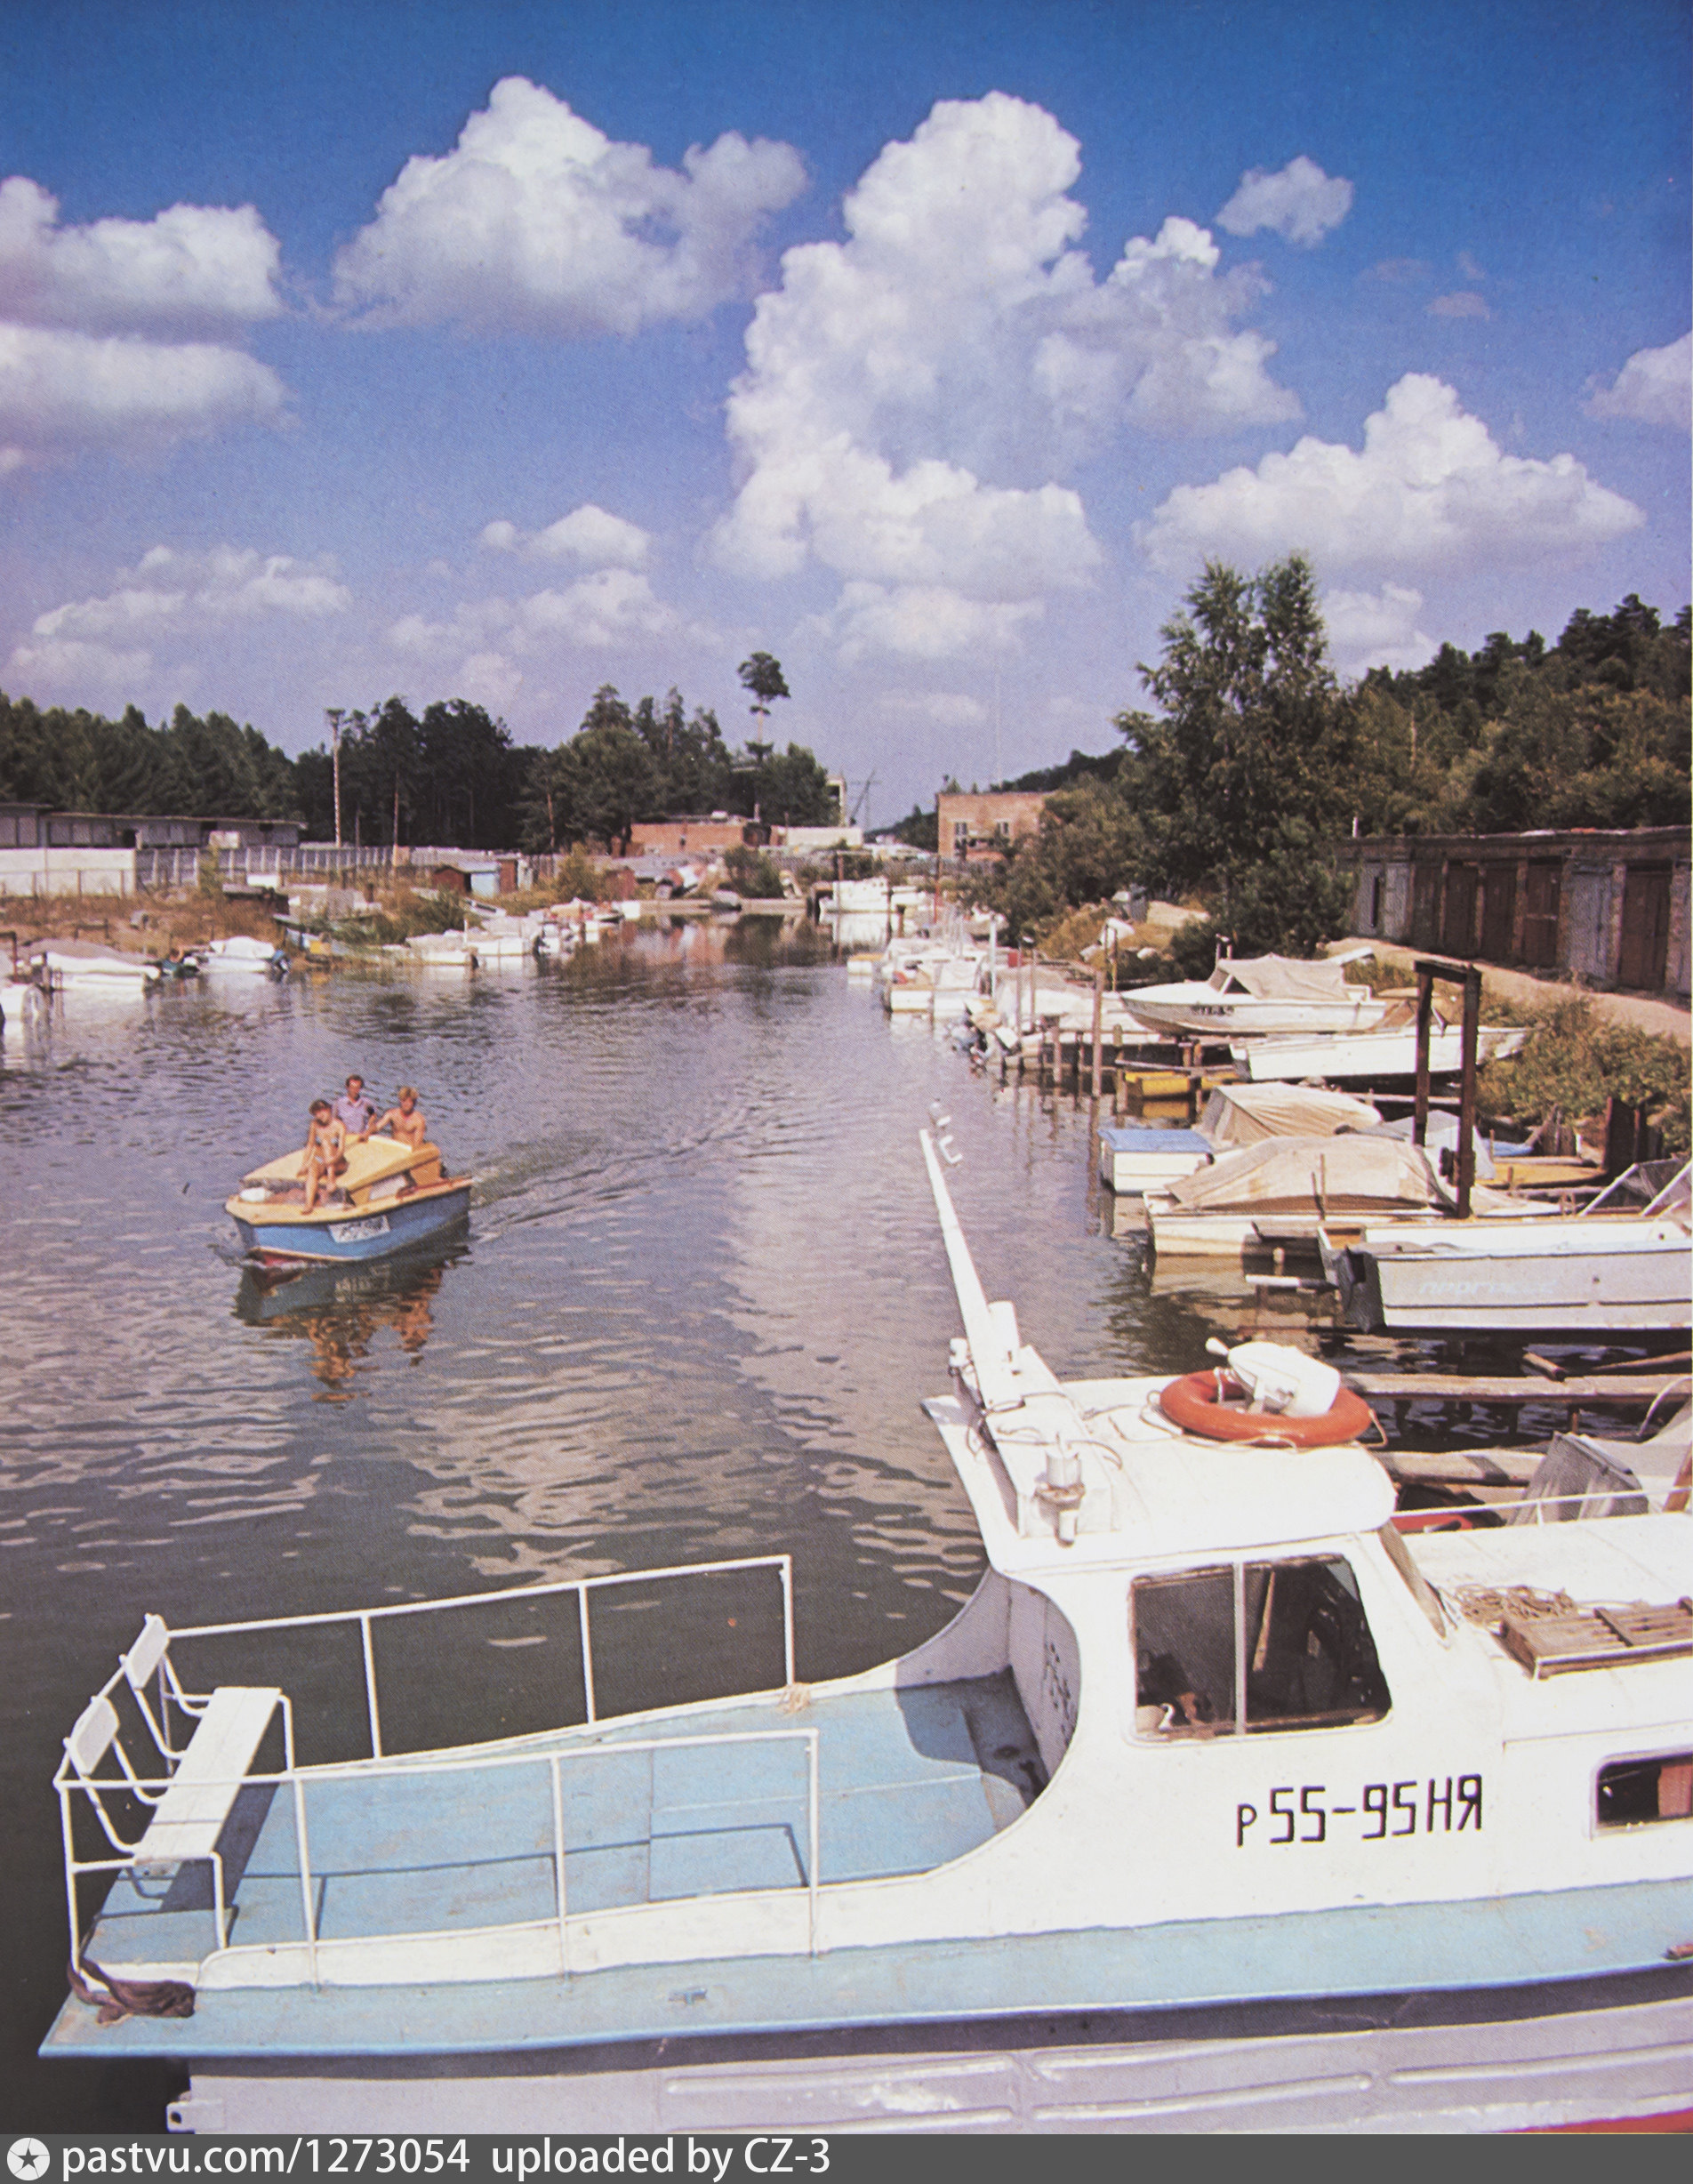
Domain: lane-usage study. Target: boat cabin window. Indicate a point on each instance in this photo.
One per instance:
(1632, 1790)
(1292, 1634)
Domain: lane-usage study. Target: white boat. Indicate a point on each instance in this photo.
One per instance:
(1220, 1805)
(87, 965)
(1135, 1154)
(444, 951)
(1369, 1057)
(1617, 1267)
(499, 938)
(1279, 1195)
(242, 956)
(1259, 994)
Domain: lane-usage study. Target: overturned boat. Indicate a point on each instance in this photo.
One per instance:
(1220, 1805)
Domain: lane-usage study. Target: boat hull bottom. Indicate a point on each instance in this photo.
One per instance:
(357, 1234)
(1517, 2059)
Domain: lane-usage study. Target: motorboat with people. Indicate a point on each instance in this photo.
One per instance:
(1220, 1805)
(389, 1196)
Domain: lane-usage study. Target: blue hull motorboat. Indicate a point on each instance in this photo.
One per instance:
(390, 1197)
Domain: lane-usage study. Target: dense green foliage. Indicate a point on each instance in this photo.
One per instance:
(629, 764)
(451, 775)
(1577, 1059)
(203, 769)
(1258, 757)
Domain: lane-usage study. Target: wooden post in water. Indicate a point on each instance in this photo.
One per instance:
(1099, 1023)
(1466, 1088)
(1425, 1025)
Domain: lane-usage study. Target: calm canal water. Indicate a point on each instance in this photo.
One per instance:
(702, 1296)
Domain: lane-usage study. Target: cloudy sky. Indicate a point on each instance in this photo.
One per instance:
(506, 350)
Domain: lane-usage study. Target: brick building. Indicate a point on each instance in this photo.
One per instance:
(1611, 909)
(975, 828)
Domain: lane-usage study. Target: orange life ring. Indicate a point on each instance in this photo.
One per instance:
(1199, 1403)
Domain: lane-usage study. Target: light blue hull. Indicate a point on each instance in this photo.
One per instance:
(344, 1236)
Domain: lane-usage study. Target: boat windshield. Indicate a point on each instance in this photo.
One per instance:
(1422, 1592)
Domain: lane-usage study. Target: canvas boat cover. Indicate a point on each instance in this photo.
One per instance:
(1285, 978)
(1245, 1114)
(1343, 1175)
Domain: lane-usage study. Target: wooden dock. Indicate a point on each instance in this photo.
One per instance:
(1592, 1392)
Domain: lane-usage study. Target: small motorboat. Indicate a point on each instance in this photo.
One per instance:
(1259, 993)
(241, 956)
(389, 1196)
(89, 967)
(1135, 1155)
(1619, 1266)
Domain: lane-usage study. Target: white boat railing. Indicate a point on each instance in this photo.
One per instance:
(297, 1780)
(75, 1775)
(367, 1619)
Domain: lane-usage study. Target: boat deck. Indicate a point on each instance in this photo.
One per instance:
(908, 1780)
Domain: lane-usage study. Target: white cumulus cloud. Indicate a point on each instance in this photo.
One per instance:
(1462, 303)
(192, 268)
(96, 325)
(536, 221)
(941, 708)
(589, 536)
(62, 392)
(173, 596)
(1654, 388)
(913, 394)
(1377, 629)
(598, 611)
(921, 622)
(1429, 489)
(1300, 203)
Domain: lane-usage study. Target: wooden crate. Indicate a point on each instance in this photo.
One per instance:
(1598, 1637)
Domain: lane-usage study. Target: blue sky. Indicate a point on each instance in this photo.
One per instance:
(504, 351)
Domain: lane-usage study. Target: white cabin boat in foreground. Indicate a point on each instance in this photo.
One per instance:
(1220, 1805)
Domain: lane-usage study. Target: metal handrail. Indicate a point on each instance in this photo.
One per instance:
(296, 1780)
(582, 1586)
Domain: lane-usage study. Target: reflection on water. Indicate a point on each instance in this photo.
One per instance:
(339, 1310)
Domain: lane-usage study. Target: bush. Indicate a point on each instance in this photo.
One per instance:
(1576, 1059)
(753, 874)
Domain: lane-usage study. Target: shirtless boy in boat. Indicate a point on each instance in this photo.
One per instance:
(325, 1155)
(406, 1121)
(408, 1125)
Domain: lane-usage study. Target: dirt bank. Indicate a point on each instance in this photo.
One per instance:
(1643, 1012)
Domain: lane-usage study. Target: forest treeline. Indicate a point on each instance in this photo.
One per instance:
(1257, 759)
(450, 774)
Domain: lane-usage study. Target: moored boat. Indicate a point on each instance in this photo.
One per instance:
(1619, 1266)
(1259, 994)
(87, 967)
(1370, 1058)
(391, 1195)
(241, 955)
(1135, 1155)
(1220, 1803)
